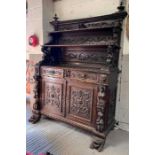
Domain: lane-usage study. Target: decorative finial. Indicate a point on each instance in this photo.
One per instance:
(56, 17)
(121, 7)
(55, 23)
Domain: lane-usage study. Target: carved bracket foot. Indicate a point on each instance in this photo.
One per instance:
(35, 117)
(48, 153)
(98, 144)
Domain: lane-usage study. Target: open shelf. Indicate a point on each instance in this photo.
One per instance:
(83, 29)
(81, 45)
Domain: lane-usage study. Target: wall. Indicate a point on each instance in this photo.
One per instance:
(122, 106)
(37, 21)
(72, 9)
(40, 12)
(34, 25)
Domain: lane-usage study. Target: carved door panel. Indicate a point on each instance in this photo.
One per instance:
(53, 96)
(81, 102)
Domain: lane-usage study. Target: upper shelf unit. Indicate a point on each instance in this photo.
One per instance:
(94, 40)
(96, 32)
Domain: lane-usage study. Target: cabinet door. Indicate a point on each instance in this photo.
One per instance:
(81, 102)
(53, 96)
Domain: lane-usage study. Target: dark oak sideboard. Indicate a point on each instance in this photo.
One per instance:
(76, 80)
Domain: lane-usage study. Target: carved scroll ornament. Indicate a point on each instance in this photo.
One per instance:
(53, 96)
(100, 109)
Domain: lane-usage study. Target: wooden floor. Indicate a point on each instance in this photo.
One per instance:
(61, 139)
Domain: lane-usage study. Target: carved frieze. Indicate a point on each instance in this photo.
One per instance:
(92, 56)
(101, 24)
(95, 24)
(81, 102)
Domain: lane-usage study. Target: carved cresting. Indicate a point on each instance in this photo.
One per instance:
(100, 109)
(36, 105)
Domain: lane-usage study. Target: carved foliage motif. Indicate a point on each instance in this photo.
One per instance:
(88, 39)
(81, 100)
(100, 109)
(102, 24)
(53, 95)
(86, 56)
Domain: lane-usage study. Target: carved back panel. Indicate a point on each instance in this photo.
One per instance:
(91, 55)
(93, 37)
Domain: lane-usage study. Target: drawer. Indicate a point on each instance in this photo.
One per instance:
(52, 72)
(85, 76)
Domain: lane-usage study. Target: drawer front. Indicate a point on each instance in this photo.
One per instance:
(52, 72)
(84, 76)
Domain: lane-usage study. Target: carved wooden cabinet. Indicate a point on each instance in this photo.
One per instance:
(76, 80)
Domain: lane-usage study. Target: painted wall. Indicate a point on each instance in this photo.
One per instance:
(72, 9)
(40, 12)
(34, 25)
(122, 106)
